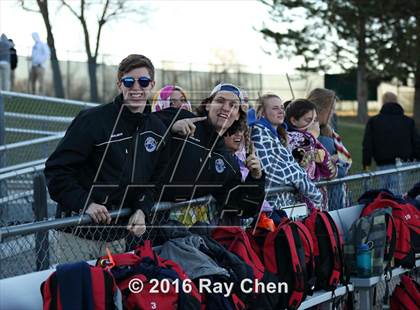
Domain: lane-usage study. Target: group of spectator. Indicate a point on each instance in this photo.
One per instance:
(133, 153)
(9, 60)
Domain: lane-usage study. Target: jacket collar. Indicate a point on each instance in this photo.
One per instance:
(392, 108)
(265, 123)
(210, 135)
(126, 113)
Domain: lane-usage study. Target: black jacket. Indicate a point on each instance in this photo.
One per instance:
(94, 161)
(13, 58)
(202, 165)
(390, 135)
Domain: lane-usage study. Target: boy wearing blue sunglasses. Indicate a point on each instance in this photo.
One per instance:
(109, 159)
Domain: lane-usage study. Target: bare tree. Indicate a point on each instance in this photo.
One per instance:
(108, 10)
(42, 8)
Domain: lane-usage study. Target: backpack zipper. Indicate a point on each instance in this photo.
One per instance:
(135, 154)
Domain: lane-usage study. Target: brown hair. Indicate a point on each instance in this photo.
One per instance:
(297, 108)
(241, 125)
(261, 102)
(324, 101)
(201, 110)
(135, 61)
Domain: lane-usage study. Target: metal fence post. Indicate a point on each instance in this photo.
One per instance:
(2, 131)
(3, 192)
(41, 213)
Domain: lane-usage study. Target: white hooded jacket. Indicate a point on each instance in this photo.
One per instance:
(40, 51)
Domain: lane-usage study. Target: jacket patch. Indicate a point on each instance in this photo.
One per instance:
(150, 144)
(117, 135)
(220, 166)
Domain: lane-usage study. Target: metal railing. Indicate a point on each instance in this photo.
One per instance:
(33, 125)
(38, 245)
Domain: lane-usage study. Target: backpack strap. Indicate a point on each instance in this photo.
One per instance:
(297, 295)
(391, 244)
(310, 268)
(335, 275)
(75, 285)
(308, 238)
(340, 247)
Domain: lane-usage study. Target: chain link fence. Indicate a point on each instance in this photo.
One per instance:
(33, 126)
(41, 244)
(347, 193)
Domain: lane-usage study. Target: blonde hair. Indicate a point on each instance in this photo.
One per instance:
(324, 100)
(261, 104)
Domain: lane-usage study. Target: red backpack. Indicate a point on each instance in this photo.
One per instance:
(236, 240)
(163, 281)
(288, 253)
(328, 249)
(407, 224)
(79, 286)
(406, 295)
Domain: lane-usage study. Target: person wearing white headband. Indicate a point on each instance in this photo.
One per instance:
(202, 165)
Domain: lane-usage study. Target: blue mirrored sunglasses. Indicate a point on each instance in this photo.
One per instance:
(129, 81)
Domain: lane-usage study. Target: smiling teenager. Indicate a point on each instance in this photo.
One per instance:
(270, 141)
(110, 158)
(170, 96)
(202, 165)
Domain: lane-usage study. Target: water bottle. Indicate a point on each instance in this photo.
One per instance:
(364, 260)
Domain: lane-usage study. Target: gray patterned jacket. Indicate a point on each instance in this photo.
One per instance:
(281, 169)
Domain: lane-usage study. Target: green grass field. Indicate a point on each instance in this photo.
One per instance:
(352, 135)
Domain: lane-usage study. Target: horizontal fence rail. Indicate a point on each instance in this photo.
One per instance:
(49, 99)
(163, 206)
(26, 170)
(30, 142)
(367, 175)
(35, 131)
(35, 163)
(30, 228)
(36, 117)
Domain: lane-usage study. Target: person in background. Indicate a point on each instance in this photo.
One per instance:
(40, 55)
(281, 169)
(106, 153)
(325, 100)
(391, 139)
(5, 46)
(303, 130)
(13, 64)
(170, 96)
(251, 116)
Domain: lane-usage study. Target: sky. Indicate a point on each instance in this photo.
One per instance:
(183, 32)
